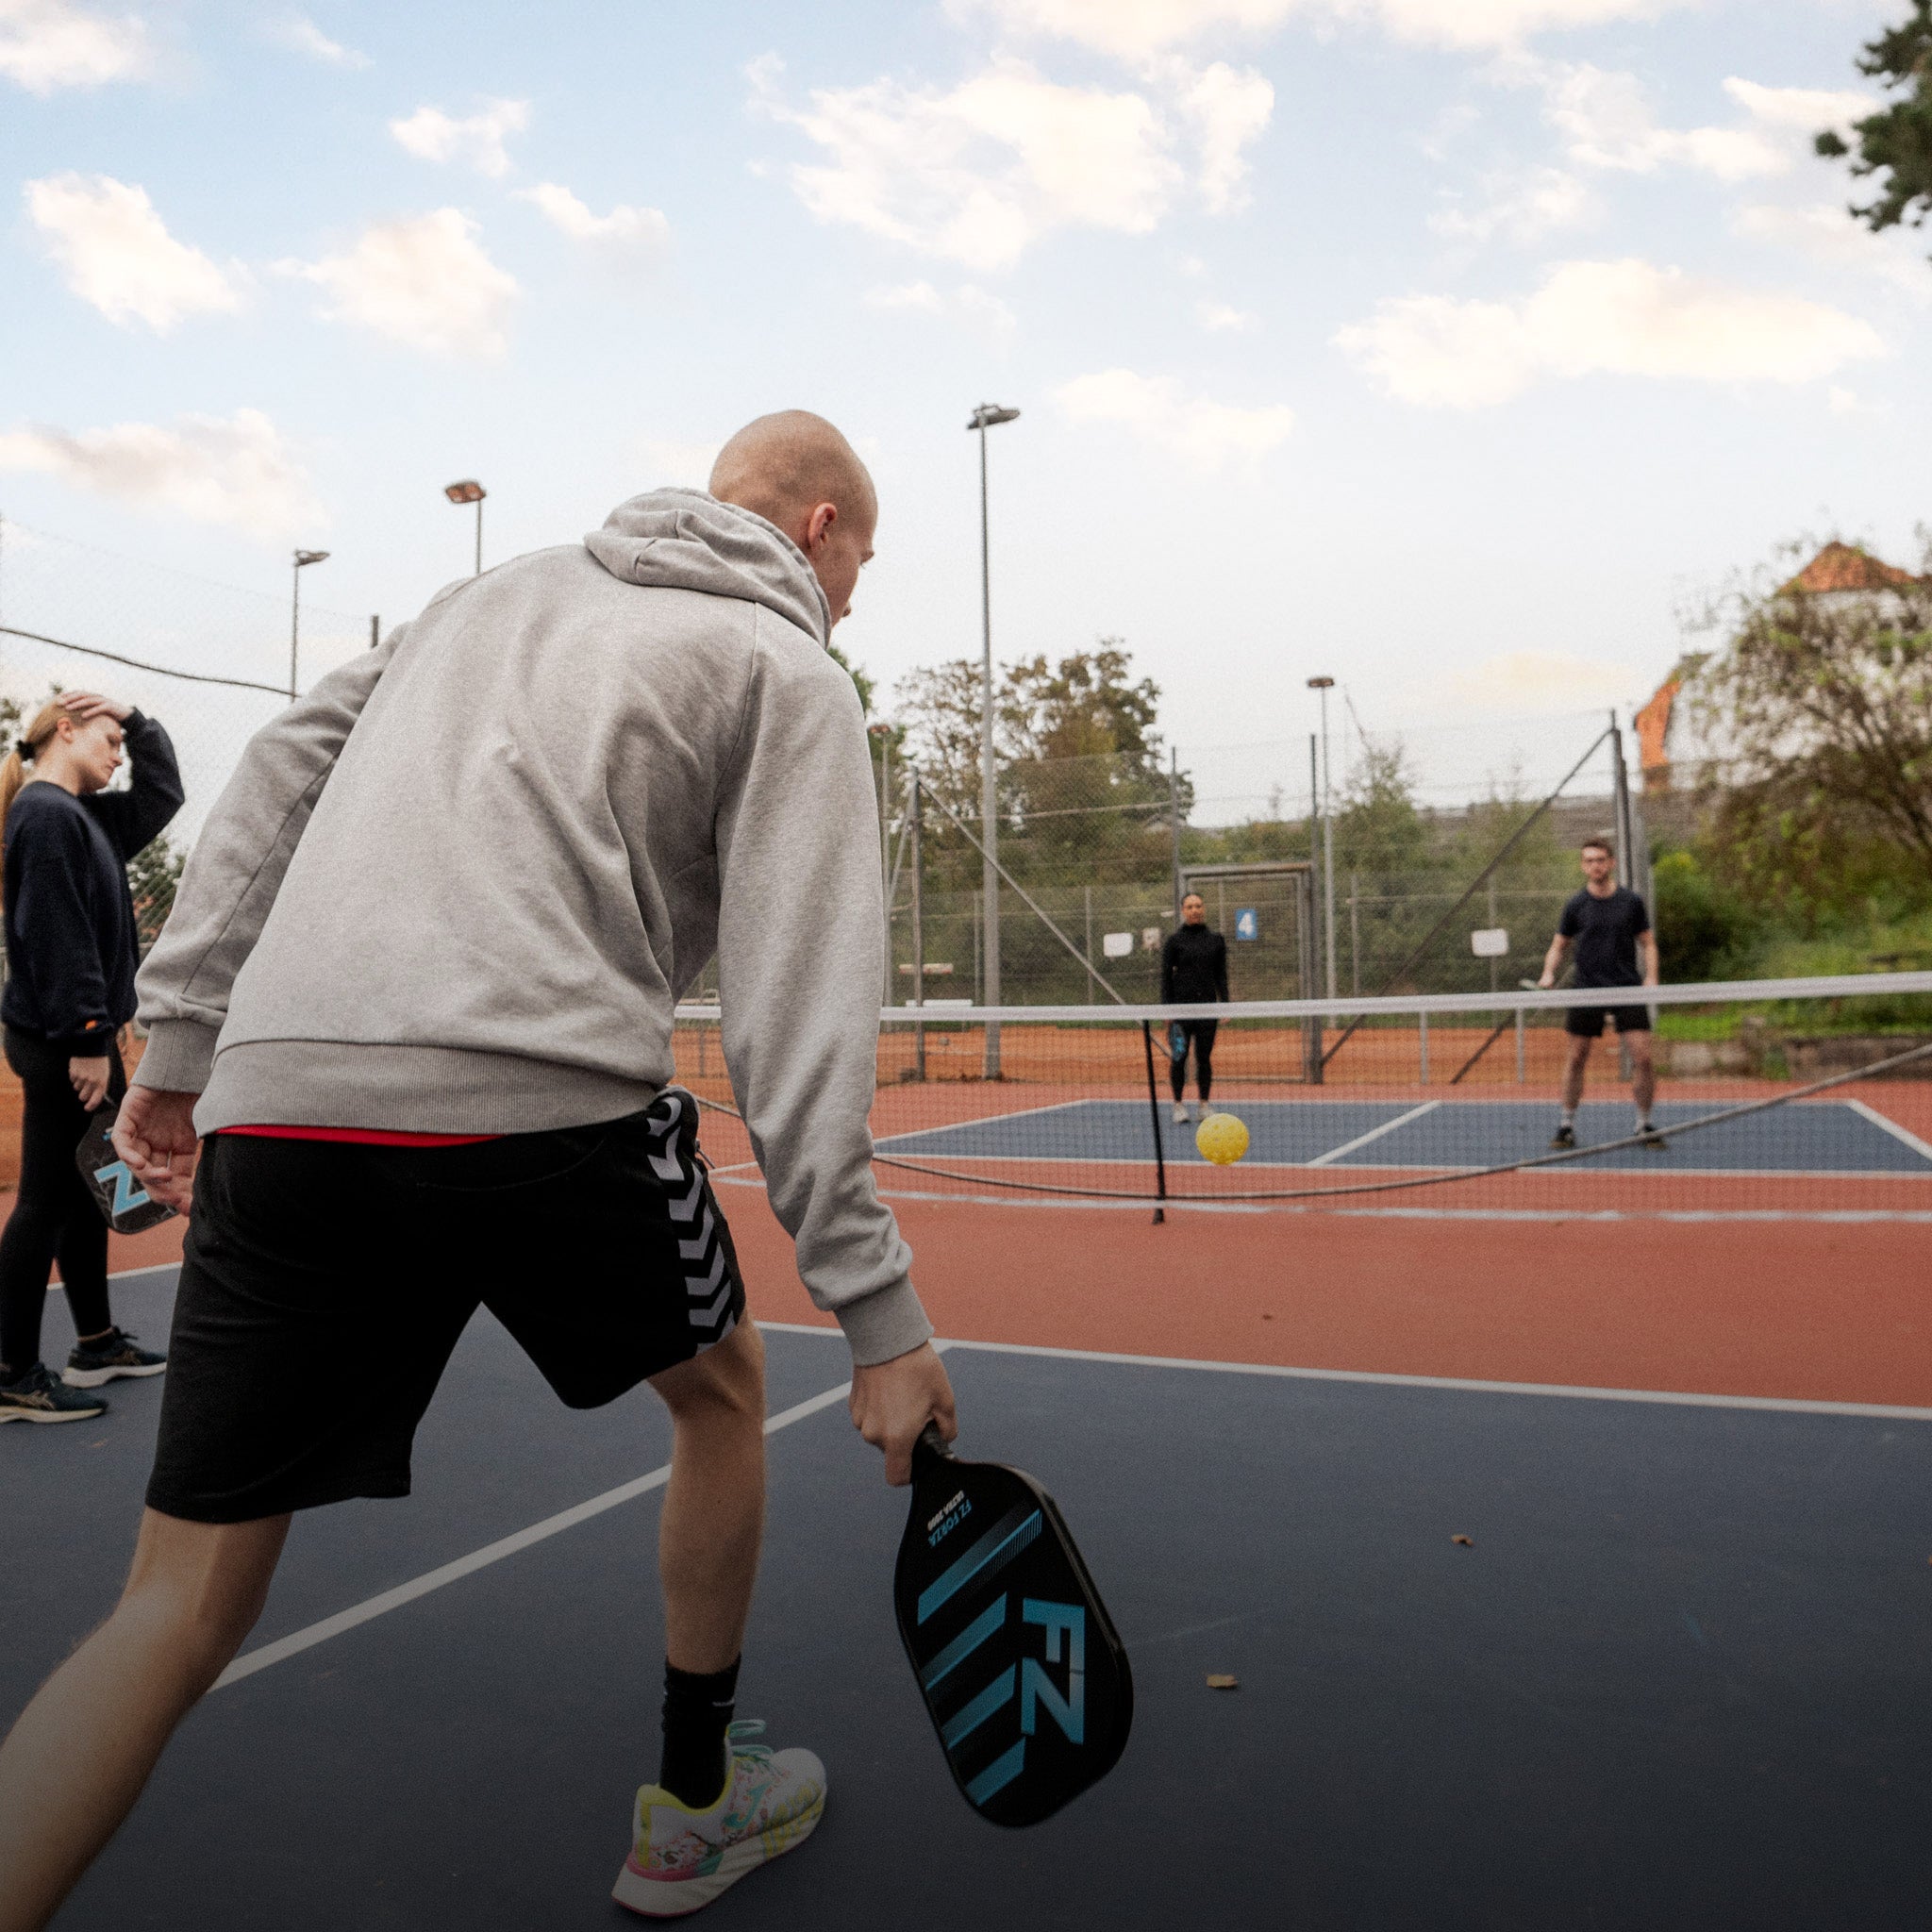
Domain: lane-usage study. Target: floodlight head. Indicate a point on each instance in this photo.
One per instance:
(306, 556)
(469, 490)
(987, 414)
(1320, 683)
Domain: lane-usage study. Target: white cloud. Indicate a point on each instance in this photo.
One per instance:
(475, 142)
(918, 295)
(981, 311)
(1826, 233)
(115, 253)
(301, 36)
(1227, 111)
(1618, 318)
(1534, 681)
(46, 45)
(979, 173)
(424, 280)
(1202, 434)
(1136, 30)
(1521, 208)
(1222, 319)
(1606, 121)
(642, 230)
(235, 471)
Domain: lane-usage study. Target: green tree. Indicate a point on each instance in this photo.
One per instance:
(1821, 704)
(1897, 141)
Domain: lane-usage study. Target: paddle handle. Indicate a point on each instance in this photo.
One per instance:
(930, 1446)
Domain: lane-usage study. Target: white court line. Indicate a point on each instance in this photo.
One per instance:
(299, 1640)
(984, 1119)
(1671, 1397)
(1415, 1113)
(1891, 1127)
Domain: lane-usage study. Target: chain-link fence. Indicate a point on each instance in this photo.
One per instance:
(1094, 853)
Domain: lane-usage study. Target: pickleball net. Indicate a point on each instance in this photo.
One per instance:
(1808, 1098)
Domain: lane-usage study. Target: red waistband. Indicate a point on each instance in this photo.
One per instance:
(364, 1137)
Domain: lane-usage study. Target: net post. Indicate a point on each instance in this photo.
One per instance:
(1154, 1120)
(1423, 1043)
(913, 810)
(1520, 1046)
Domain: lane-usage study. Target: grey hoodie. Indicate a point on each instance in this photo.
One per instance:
(458, 886)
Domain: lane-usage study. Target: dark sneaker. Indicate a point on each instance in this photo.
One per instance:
(115, 1354)
(1647, 1136)
(1565, 1135)
(38, 1398)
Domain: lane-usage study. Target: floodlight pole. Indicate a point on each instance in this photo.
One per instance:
(470, 490)
(1324, 684)
(303, 559)
(984, 417)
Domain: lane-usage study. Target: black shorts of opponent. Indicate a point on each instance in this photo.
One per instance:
(1587, 1022)
(324, 1286)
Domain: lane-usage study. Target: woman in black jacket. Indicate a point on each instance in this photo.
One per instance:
(70, 957)
(1193, 972)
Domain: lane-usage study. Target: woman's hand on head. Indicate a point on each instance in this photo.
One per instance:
(91, 704)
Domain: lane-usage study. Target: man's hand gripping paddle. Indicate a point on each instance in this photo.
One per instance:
(126, 1206)
(1023, 1674)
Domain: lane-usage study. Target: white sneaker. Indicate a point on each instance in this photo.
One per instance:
(1194, 1109)
(681, 1859)
(1180, 1115)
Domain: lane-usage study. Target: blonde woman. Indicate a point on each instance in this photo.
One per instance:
(70, 989)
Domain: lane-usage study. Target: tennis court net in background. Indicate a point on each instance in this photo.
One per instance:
(1808, 1098)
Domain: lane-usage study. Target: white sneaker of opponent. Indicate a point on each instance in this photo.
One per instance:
(681, 1859)
(1180, 1114)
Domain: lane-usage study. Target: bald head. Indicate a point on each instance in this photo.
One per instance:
(786, 464)
(796, 471)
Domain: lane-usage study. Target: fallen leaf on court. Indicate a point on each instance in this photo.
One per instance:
(1219, 1681)
(1468, 1542)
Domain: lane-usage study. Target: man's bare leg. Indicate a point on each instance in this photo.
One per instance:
(713, 1521)
(72, 1766)
(1578, 1046)
(1642, 1072)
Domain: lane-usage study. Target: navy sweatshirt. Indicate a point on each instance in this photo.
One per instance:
(1193, 967)
(71, 944)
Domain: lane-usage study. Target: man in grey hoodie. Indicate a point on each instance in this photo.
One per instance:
(410, 1048)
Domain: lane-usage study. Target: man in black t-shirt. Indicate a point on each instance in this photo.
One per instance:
(1607, 927)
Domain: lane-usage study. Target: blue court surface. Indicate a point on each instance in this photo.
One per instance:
(1678, 1677)
(1807, 1137)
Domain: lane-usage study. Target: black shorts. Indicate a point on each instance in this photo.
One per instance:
(324, 1286)
(1587, 1022)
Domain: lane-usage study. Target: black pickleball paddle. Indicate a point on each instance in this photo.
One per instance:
(1024, 1677)
(125, 1205)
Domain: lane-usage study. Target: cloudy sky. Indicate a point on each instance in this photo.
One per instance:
(1448, 346)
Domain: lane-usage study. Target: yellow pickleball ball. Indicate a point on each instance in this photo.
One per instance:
(1221, 1139)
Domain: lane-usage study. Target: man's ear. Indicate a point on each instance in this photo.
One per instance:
(818, 525)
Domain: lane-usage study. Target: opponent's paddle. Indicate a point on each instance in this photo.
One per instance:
(125, 1205)
(1023, 1674)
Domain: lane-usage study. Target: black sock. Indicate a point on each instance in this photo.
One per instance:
(697, 1714)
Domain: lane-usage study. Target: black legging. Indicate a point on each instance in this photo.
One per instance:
(1201, 1032)
(53, 1215)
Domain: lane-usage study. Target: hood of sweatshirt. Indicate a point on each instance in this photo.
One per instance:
(686, 539)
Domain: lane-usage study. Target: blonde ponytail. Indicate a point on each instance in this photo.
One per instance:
(14, 771)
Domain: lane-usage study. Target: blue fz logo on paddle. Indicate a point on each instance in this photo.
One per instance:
(127, 1196)
(1025, 1682)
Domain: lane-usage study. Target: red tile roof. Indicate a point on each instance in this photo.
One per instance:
(1844, 567)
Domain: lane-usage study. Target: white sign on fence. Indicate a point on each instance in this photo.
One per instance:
(1117, 945)
(1492, 942)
